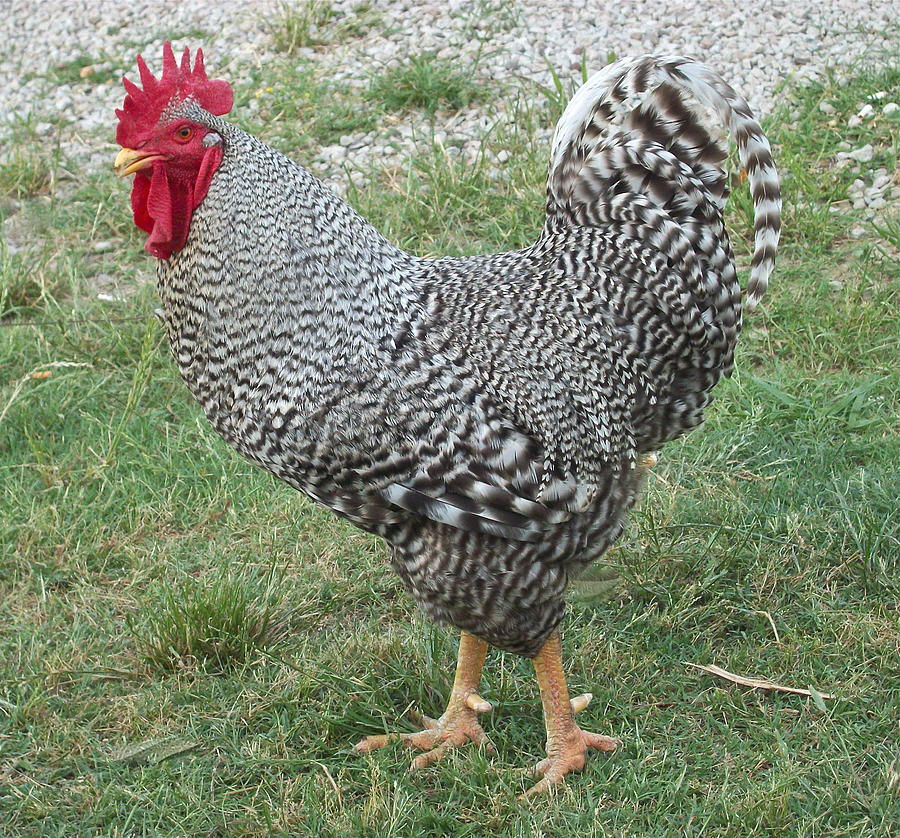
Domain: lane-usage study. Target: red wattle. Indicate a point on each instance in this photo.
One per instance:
(159, 205)
(163, 206)
(139, 191)
(208, 166)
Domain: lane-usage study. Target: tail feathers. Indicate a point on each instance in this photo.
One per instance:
(637, 146)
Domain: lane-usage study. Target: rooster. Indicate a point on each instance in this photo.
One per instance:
(490, 417)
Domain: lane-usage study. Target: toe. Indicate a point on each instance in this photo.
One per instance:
(541, 768)
(601, 743)
(372, 743)
(537, 788)
(457, 727)
(424, 740)
(418, 718)
(550, 779)
(553, 772)
(431, 757)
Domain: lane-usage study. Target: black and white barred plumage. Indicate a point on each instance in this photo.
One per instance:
(486, 415)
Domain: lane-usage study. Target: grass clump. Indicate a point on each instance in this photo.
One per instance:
(889, 230)
(24, 174)
(86, 69)
(30, 281)
(815, 182)
(297, 24)
(30, 162)
(456, 200)
(298, 111)
(210, 624)
(423, 81)
(294, 25)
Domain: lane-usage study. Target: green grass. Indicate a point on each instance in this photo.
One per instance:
(299, 111)
(24, 174)
(454, 200)
(423, 81)
(214, 625)
(83, 70)
(297, 24)
(191, 648)
(28, 164)
(294, 25)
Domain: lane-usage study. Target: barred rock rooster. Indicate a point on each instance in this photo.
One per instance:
(490, 417)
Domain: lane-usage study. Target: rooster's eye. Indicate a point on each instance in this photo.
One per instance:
(184, 133)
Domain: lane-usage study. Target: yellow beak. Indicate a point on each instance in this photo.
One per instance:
(128, 161)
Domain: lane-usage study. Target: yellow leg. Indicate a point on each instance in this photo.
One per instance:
(459, 723)
(567, 743)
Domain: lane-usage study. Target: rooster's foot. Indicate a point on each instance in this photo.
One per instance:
(455, 728)
(567, 744)
(459, 724)
(567, 755)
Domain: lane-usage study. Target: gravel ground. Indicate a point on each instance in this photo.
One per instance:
(753, 48)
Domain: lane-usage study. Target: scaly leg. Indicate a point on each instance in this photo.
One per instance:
(567, 743)
(459, 724)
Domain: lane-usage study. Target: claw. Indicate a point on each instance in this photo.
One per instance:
(580, 702)
(478, 704)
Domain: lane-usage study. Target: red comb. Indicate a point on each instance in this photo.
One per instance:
(143, 107)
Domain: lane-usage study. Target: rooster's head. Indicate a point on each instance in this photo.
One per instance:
(168, 148)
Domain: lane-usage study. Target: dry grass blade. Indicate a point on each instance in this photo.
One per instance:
(756, 683)
(334, 785)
